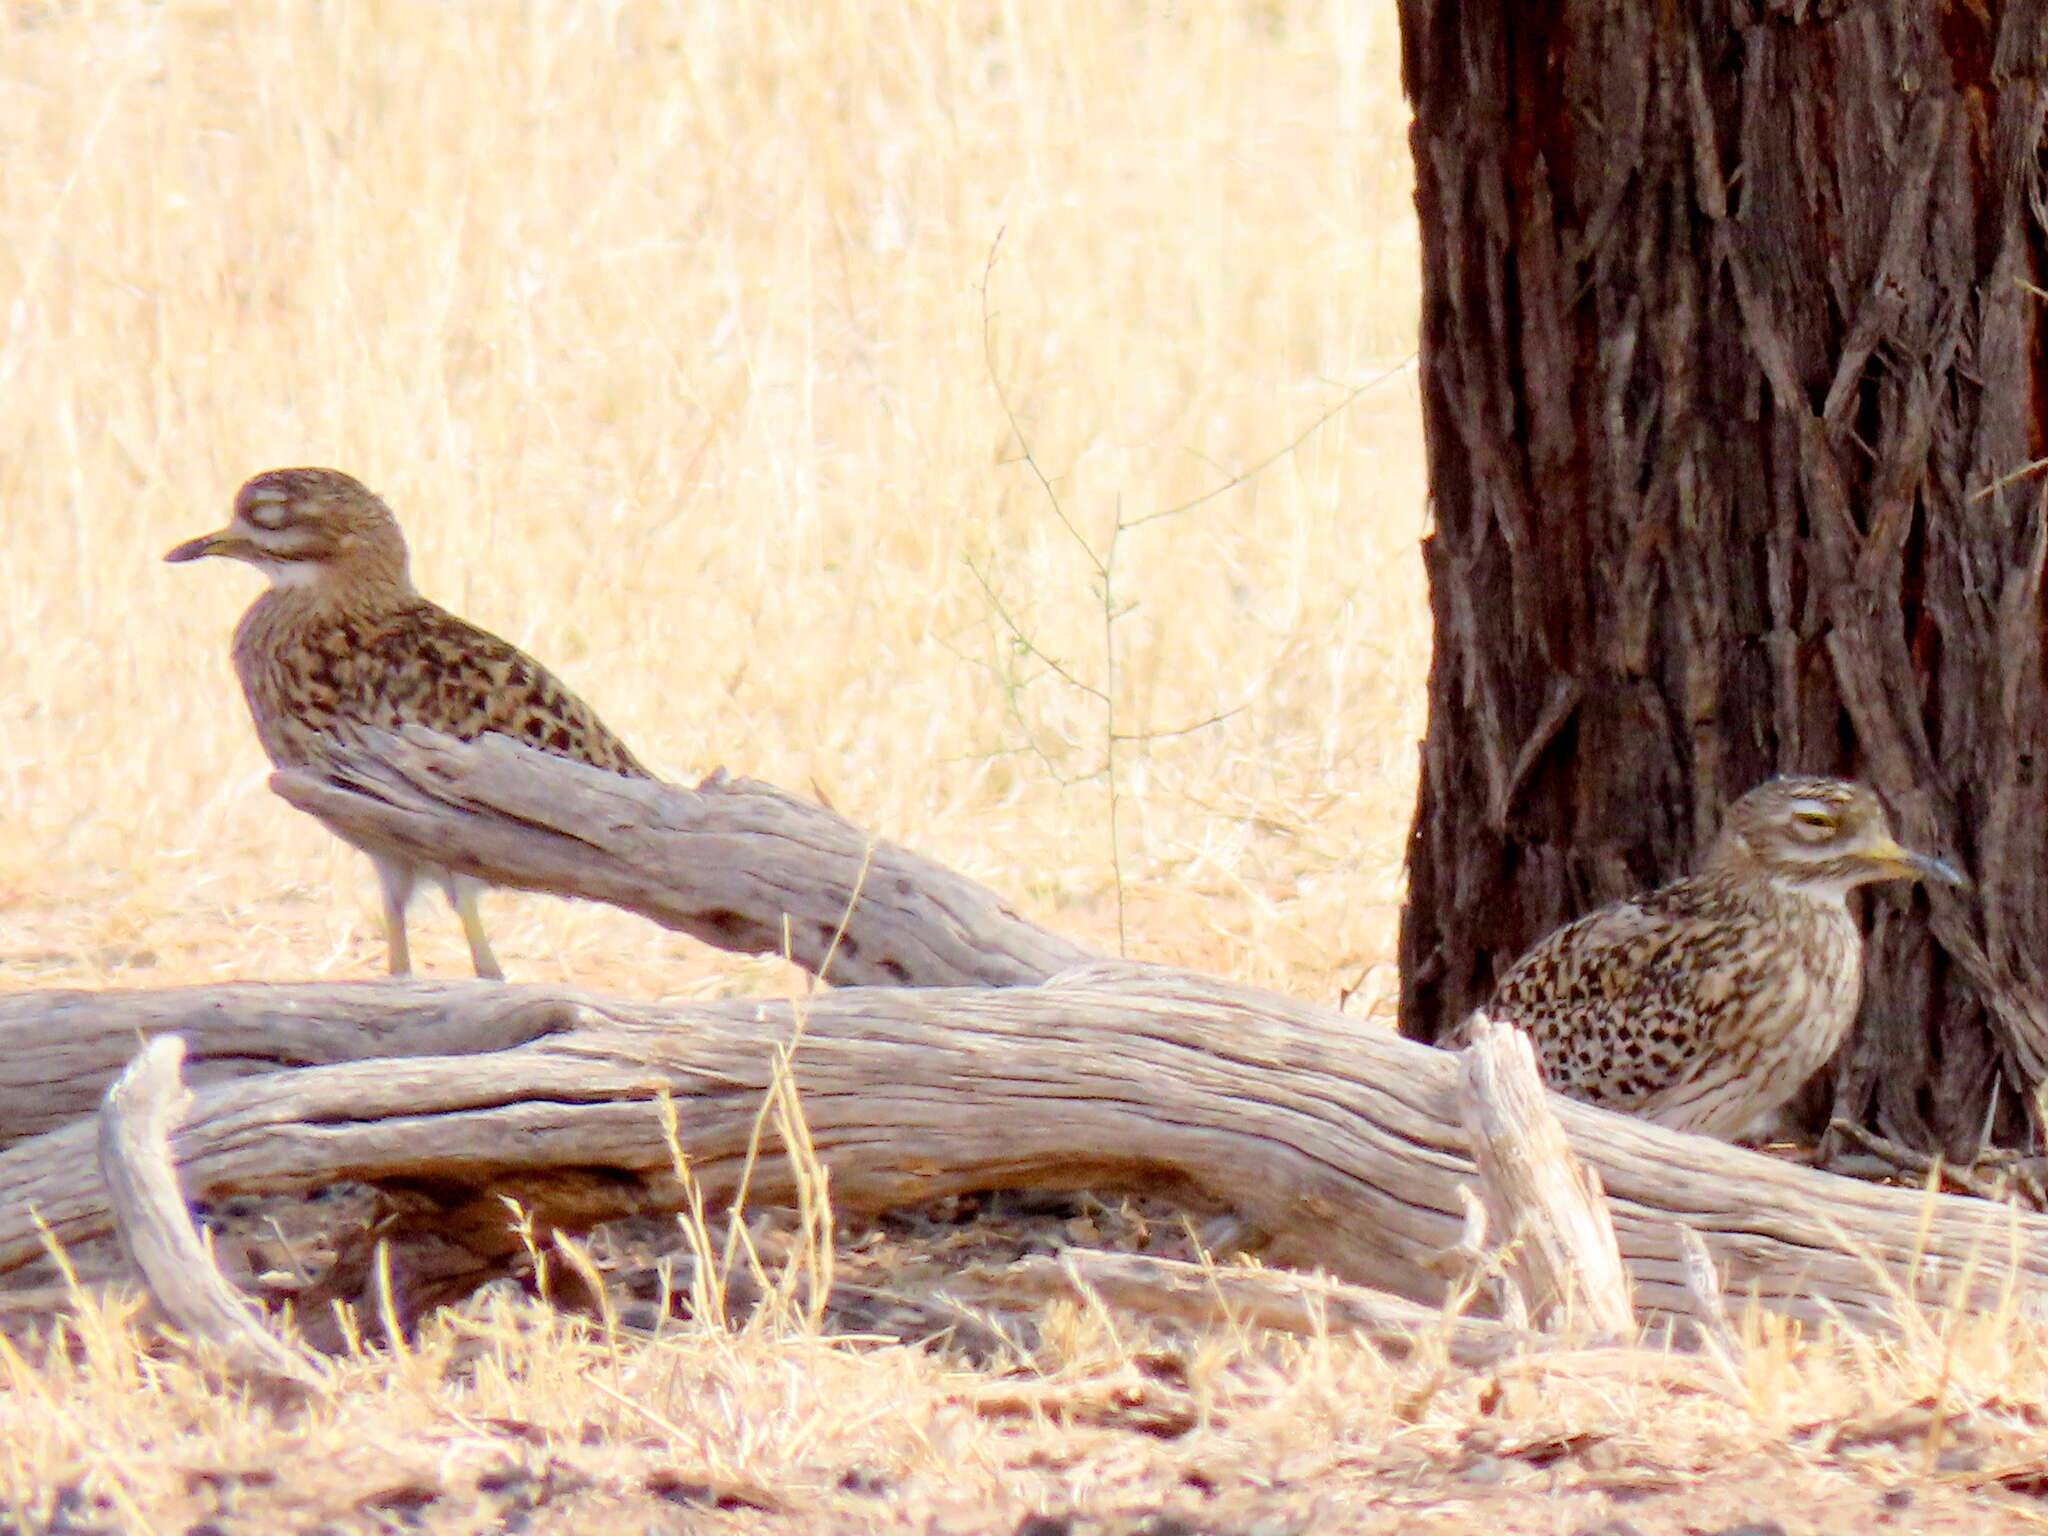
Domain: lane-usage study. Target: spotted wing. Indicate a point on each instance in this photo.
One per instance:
(427, 667)
(1614, 1002)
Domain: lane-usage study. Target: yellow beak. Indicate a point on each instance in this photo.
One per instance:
(1915, 866)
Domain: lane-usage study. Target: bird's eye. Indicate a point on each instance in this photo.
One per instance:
(1820, 821)
(266, 514)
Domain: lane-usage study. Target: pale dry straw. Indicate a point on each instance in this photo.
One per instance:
(660, 327)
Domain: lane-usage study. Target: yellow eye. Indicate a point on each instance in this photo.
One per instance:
(1824, 820)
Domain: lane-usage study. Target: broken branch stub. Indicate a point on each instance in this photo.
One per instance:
(148, 1212)
(1542, 1203)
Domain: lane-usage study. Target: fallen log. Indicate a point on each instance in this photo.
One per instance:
(1221, 1298)
(739, 864)
(1339, 1142)
(1224, 1296)
(60, 1049)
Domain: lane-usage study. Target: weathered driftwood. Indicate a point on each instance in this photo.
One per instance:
(1226, 1296)
(60, 1049)
(1314, 1305)
(736, 863)
(1340, 1142)
(156, 1229)
(1543, 1205)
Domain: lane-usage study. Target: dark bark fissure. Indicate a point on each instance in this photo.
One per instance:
(1732, 357)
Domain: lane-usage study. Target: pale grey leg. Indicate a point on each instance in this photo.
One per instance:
(462, 896)
(396, 877)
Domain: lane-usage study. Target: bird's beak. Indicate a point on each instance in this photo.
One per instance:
(223, 542)
(1916, 866)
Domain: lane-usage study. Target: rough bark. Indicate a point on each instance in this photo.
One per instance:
(1340, 1143)
(1734, 394)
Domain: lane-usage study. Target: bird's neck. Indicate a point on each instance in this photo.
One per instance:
(1734, 868)
(305, 591)
(1832, 894)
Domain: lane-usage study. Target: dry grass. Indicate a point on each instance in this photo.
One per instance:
(664, 330)
(503, 1409)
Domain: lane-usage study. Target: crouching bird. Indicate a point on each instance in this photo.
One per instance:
(1706, 1004)
(342, 638)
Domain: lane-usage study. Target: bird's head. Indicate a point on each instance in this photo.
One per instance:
(308, 528)
(1821, 836)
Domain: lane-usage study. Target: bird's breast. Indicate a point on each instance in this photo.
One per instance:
(299, 668)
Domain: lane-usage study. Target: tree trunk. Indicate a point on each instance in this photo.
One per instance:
(1733, 390)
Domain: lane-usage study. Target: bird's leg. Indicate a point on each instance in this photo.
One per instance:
(396, 878)
(463, 894)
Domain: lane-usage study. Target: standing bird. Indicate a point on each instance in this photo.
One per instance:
(342, 638)
(1707, 1003)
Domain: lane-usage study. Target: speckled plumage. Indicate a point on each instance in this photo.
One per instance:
(343, 638)
(1707, 1003)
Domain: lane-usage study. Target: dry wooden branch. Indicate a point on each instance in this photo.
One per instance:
(1312, 1305)
(1229, 1296)
(1341, 1142)
(1541, 1201)
(59, 1050)
(156, 1230)
(739, 864)
(736, 863)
